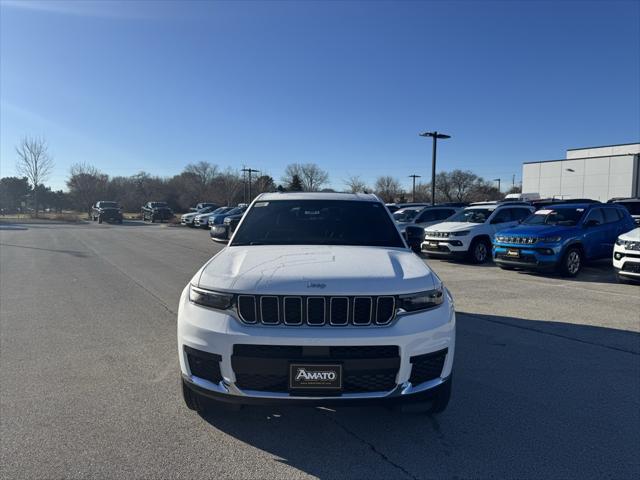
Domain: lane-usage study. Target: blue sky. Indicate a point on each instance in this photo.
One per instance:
(129, 86)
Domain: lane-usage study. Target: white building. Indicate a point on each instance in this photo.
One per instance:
(598, 173)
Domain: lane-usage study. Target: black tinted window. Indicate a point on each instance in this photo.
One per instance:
(427, 216)
(444, 213)
(502, 216)
(595, 214)
(318, 222)
(633, 207)
(520, 213)
(611, 215)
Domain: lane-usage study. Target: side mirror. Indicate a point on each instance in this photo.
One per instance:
(220, 233)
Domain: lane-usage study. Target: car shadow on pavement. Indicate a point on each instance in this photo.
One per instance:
(74, 253)
(531, 399)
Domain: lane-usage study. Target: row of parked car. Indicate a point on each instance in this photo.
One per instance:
(542, 235)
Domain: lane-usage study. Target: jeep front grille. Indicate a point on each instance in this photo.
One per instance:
(316, 311)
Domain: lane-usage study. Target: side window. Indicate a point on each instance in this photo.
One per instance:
(444, 213)
(502, 216)
(595, 214)
(426, 216)
(611, 215)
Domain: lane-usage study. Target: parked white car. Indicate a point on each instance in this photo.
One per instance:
(189, 218)
(308, 304)
(626, 256)
(468, 233)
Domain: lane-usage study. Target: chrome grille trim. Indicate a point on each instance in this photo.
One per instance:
(274, 308)
(331, 322)
(324, 311)
(255, 309)
(262, 308)
(284, 308)
(353, 314)
(393, 310)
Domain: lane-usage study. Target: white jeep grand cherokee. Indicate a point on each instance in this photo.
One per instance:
(316, 300)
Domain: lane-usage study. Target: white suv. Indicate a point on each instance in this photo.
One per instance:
(316, 300)
(626, 256)
(468, 234)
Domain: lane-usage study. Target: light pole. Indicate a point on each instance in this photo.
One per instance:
(250, 171)
(413, 196)
(497, 180)
(435, 136)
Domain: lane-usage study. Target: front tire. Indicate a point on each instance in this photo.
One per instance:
(479, 251)
(571, 262)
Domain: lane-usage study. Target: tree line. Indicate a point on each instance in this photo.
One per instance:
(204, 181)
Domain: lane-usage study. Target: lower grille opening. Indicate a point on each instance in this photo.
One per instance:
(204, 364)
(427, 367)
(364, 368)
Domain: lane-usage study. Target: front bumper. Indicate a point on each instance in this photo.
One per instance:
(452, 246)
(542, 257)
(217, 332)
(626, 262)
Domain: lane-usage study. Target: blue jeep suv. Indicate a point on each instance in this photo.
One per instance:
(562, 237)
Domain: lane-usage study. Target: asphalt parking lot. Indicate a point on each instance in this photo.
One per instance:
(547, 375)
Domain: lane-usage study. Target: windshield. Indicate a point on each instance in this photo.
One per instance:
(472, 215)
(235, 211)
(562, 216)
(206, 210)
(318, 222)
(109, 205)
(406, 214)
(221, 210)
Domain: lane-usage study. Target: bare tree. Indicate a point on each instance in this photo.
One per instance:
(34, 162)
(311, 176)
(86, 185)
(205, 174)
(356, 185)
(388, 188)
(228, 187)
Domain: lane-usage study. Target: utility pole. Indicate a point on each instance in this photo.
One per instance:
(414, 176)
(435, 136)
(513, 181)
(250, 171)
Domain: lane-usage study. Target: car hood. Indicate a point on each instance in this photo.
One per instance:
(315, 270)
(537, 230)
(189, 215)
(453, 226)
(633, 235)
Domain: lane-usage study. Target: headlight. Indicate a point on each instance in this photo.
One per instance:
(622, 243)
(207, 298)
(552, 239)
(415, 302)
(460, 234)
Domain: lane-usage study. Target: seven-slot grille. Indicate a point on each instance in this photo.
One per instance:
(316, 311)
(517, 240)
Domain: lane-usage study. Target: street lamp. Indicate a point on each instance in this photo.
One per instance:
(250, 171)
(435, 136)
(413, 196)
(497, 180)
